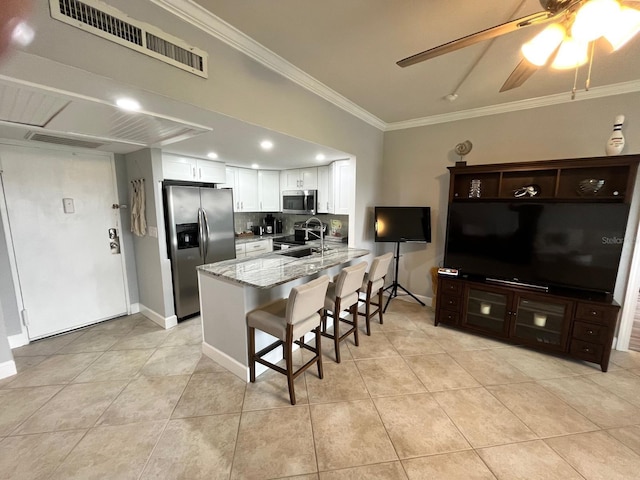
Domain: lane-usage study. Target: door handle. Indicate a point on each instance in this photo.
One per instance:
(200, 234)
(206, 239)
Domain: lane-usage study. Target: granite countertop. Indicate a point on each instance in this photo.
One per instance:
(274, 268)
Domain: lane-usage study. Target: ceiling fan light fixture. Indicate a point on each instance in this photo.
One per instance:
(594, 19)
(571, 54)
(538, 50)
(627, 25)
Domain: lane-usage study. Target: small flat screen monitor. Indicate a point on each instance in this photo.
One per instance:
(403, 224)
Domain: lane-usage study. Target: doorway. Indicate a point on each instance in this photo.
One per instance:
(60, 218)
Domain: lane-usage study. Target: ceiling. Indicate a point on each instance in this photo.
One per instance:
(349, 51)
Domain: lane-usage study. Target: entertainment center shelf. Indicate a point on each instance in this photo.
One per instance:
(559, 224)
(557, 180)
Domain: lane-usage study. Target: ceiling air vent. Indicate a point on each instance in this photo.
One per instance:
(71, 142)
(107, 22)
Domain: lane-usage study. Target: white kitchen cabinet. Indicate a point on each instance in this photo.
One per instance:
(269, 190)
(343, 186)
(253, 249)
(325, 189)
(244, 182)
(190, 169)
(299, 179)
(241, 250)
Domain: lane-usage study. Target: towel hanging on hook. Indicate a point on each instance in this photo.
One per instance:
(138, 208)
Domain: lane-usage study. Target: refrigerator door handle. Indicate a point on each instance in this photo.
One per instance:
(206, 240)
(201, 233)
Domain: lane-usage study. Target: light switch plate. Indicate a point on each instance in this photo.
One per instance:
(67, 205)
(153, 232)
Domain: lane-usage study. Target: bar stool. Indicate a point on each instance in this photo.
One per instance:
(343, 295)
(287, 319)
(373, 284)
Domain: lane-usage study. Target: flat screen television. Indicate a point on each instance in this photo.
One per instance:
(566, 245)
(403, 224)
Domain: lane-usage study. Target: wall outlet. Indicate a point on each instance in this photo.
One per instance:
(67, 205)
(153, 232)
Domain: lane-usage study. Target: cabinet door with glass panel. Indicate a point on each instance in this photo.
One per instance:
(541, 322)
(487, 309)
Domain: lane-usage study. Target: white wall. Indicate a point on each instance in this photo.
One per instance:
(416, 160)
(8, 305)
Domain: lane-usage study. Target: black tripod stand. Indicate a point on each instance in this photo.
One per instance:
(393, 288)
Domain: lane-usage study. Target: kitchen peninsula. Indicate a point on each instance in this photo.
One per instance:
(231, 288)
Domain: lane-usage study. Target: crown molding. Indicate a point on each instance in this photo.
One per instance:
(201, 18)
(556, 99)
(206, 21)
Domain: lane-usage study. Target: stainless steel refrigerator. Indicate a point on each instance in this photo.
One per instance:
(199, 231)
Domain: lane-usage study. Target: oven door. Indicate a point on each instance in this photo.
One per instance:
(299, 201)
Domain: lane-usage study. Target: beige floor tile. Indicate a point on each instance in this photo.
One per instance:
(487, 367)
(349, 434)
(206, 365)
(630, 436)
(141, 337)
(115, 365)
(35, 457)
(283, 448)
(536, 365)
(211, 394)
(55, 370)
(628, 359)
(16, 405)
(389, 376)
(341, 383)
(116, 452)
(450, 466)
(597, 456)
(452, 340)
(145, 399)
(440, 372)
(395, 321)
(418, 426)
(47, 346)
(270, 390)
(381, 471)
(375, 346)
(91, 341)
(527, 461)
(118, 326)
(482, 419)
(74, 407)
(180, 360)
(195, 448)
(593, 401)
(413, 343)
(189, 334)
(310, 476)
(622, 383)
(543, 412)
(23, 363)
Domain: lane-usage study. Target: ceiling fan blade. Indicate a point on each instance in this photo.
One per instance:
(520, 74)
(481, 36)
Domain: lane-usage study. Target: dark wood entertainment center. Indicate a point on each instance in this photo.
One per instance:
(572, 323)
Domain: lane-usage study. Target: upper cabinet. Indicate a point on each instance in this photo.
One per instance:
(244, 182)
(190, 169)
(335, 187)
(325, 189)
(599, 179)
(299, 179)
(269, 190)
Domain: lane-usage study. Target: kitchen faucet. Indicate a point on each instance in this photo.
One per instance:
(306, 235)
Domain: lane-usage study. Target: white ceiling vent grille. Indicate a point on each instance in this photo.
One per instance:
(71, 142)
(107, 22)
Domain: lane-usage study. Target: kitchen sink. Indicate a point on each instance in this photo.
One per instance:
(305, 252)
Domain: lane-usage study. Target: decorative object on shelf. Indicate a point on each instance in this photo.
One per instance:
(527, 191)
(590, 186)
(336, 228)
(485, 308)
(615, 144)
(475, 189)
(463, 149)
(539, 319)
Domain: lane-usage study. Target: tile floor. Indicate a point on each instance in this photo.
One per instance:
(127, 400)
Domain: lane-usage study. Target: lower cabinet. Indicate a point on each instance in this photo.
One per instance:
(580, 328)
(253, 249)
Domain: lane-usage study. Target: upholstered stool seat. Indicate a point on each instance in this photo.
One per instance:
(286, 320)
(373, 286)
(343, 295)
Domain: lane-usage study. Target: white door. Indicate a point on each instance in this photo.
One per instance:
(68, 274)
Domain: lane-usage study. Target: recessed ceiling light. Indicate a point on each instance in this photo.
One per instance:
(213, 155)
(255, 166)
(266, 145)
(128, 104)
(320, 157)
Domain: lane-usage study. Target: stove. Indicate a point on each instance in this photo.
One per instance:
(281, 243)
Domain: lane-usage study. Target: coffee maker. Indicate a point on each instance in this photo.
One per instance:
(272, 224)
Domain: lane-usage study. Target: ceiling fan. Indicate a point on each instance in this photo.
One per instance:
(576, 25)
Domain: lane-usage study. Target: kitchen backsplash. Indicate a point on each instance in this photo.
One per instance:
(335, 223)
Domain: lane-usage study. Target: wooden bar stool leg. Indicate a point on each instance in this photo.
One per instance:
(319, 352)
(368, 310)
(354, 314)
(252, 352)
(336, 330)
(380, 305)
(289, 361)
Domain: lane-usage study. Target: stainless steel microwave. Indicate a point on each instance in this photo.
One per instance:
(303, 202)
